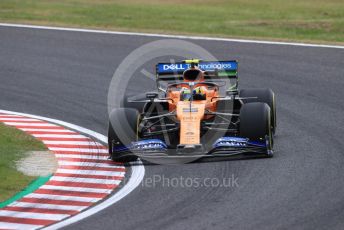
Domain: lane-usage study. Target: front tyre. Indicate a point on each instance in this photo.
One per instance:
(255, 123)
(262, 95)
(123, 127)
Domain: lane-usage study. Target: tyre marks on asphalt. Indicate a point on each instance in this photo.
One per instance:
(84, 177)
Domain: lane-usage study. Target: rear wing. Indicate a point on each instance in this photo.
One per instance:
(213, 70)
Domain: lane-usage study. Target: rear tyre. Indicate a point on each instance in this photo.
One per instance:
(262, 95)
(255, 124)
(123, 126)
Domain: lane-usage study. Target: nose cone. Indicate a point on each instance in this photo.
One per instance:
(194, 149)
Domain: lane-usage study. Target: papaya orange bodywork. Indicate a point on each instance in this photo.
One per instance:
(190, 117)
(190, 114)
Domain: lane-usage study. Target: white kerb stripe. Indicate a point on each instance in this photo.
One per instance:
(90, 172)
(49, 130)
(92, 157)
(86, 180)
(48, 206)
(58, 135)
(30, 124)
(76, 189)
(32, 215)
(85, 150)
(59, 197)
(7, 225)
(90, 164)
(89, 143)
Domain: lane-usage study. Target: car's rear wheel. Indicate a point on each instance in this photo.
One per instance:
(123, 127)
(262, 95)
(255, 119)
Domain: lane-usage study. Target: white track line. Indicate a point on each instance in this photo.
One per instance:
(170, 36)
(137, 174)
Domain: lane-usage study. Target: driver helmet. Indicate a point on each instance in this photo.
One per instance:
(199, 93)
(185, 94)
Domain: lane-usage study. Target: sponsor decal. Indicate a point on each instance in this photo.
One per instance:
(211, 66)
(149, 144)
(190, 133)
(206, 66)
(175, 66)
(231, 142)
(190, 110)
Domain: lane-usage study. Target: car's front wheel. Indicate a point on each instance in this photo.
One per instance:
(255, 119)
(262, 95)
(123, 127)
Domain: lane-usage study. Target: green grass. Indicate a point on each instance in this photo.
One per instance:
(293, 20)
(13, 146)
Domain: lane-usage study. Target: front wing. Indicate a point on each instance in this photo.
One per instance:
(224, 146)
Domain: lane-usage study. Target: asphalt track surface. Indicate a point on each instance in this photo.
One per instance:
(66, 75)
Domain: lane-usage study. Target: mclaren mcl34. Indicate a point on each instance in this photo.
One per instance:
(197, 110)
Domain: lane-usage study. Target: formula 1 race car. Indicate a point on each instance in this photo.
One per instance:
(196, 111)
